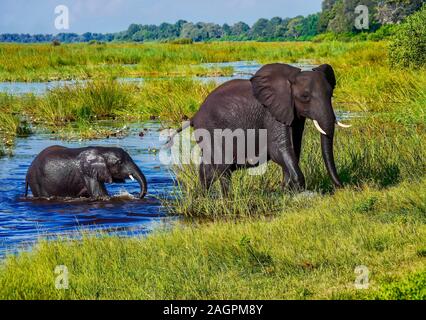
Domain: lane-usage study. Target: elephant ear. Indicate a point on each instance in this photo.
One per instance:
(329, 74)
(272, 88)
(94, 166)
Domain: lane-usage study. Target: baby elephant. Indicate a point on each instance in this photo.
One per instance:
(81, 172)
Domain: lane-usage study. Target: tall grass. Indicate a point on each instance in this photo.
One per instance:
(81, 105)
(12, 121)
(307, 252)
(172, 100)
(95, 100)
(365, 81)
(373, 152)
(41, 62)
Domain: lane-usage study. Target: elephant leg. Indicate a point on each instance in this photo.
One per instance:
(38, 191)
(95, 188)
(293, 176)
(296, 135)
(209, 173)
(283, 153)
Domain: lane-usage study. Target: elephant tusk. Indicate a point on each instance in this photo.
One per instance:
(318, 127)
(343, 125)
(131, 177)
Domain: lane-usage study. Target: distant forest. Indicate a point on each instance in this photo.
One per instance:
(337, 16)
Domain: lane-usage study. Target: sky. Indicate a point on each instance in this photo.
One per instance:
(38, 16)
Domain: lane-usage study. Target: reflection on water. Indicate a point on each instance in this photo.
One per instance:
(22, 221)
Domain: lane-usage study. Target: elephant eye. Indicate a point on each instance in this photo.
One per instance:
(305, 96)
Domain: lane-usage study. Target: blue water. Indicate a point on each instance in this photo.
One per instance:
(23, 221)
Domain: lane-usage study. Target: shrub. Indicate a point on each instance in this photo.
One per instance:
(384, 32)
(412, 287)
(182, 41)
(408, 47)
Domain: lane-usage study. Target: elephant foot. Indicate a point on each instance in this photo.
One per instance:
(294, 186)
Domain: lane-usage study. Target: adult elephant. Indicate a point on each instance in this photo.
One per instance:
(81, 172)
(277, 98)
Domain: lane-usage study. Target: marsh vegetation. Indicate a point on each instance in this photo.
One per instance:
(259, 242)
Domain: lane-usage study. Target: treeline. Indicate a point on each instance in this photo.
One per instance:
(60, 37)
(336, 17)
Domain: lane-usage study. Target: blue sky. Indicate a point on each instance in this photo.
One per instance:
(37, 16)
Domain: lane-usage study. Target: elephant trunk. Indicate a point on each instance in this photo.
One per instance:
(136, 173)
(328, 155)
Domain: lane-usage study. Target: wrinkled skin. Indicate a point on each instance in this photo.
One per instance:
(277, 98)
(81, 172)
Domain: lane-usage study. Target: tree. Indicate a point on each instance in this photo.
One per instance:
(408, 46)
(261, 29)
(190, 31)
(395, 11)
(310, 25)
(133, 28)
(295, 27)
(226, 30)
(240, 29)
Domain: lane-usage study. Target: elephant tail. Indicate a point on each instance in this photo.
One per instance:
(169, 142)
(26, 188)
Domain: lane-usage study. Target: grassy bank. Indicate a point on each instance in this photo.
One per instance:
(309, 251)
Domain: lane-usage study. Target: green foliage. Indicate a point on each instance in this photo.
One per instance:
(411, 287)
(338, 16)
(408, 47)
(384, 32)
(263, 30)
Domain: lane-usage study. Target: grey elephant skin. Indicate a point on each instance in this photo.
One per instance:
(81, 172)
(277, 98)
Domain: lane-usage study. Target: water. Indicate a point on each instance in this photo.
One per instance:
(242, 70)
(23, 221)
(37, 88)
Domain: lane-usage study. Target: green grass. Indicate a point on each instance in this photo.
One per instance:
(373, 152)
(74, 110)
(43, 62)
(309, 251)
(365, 82)
(411, 287)
(259, 242)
